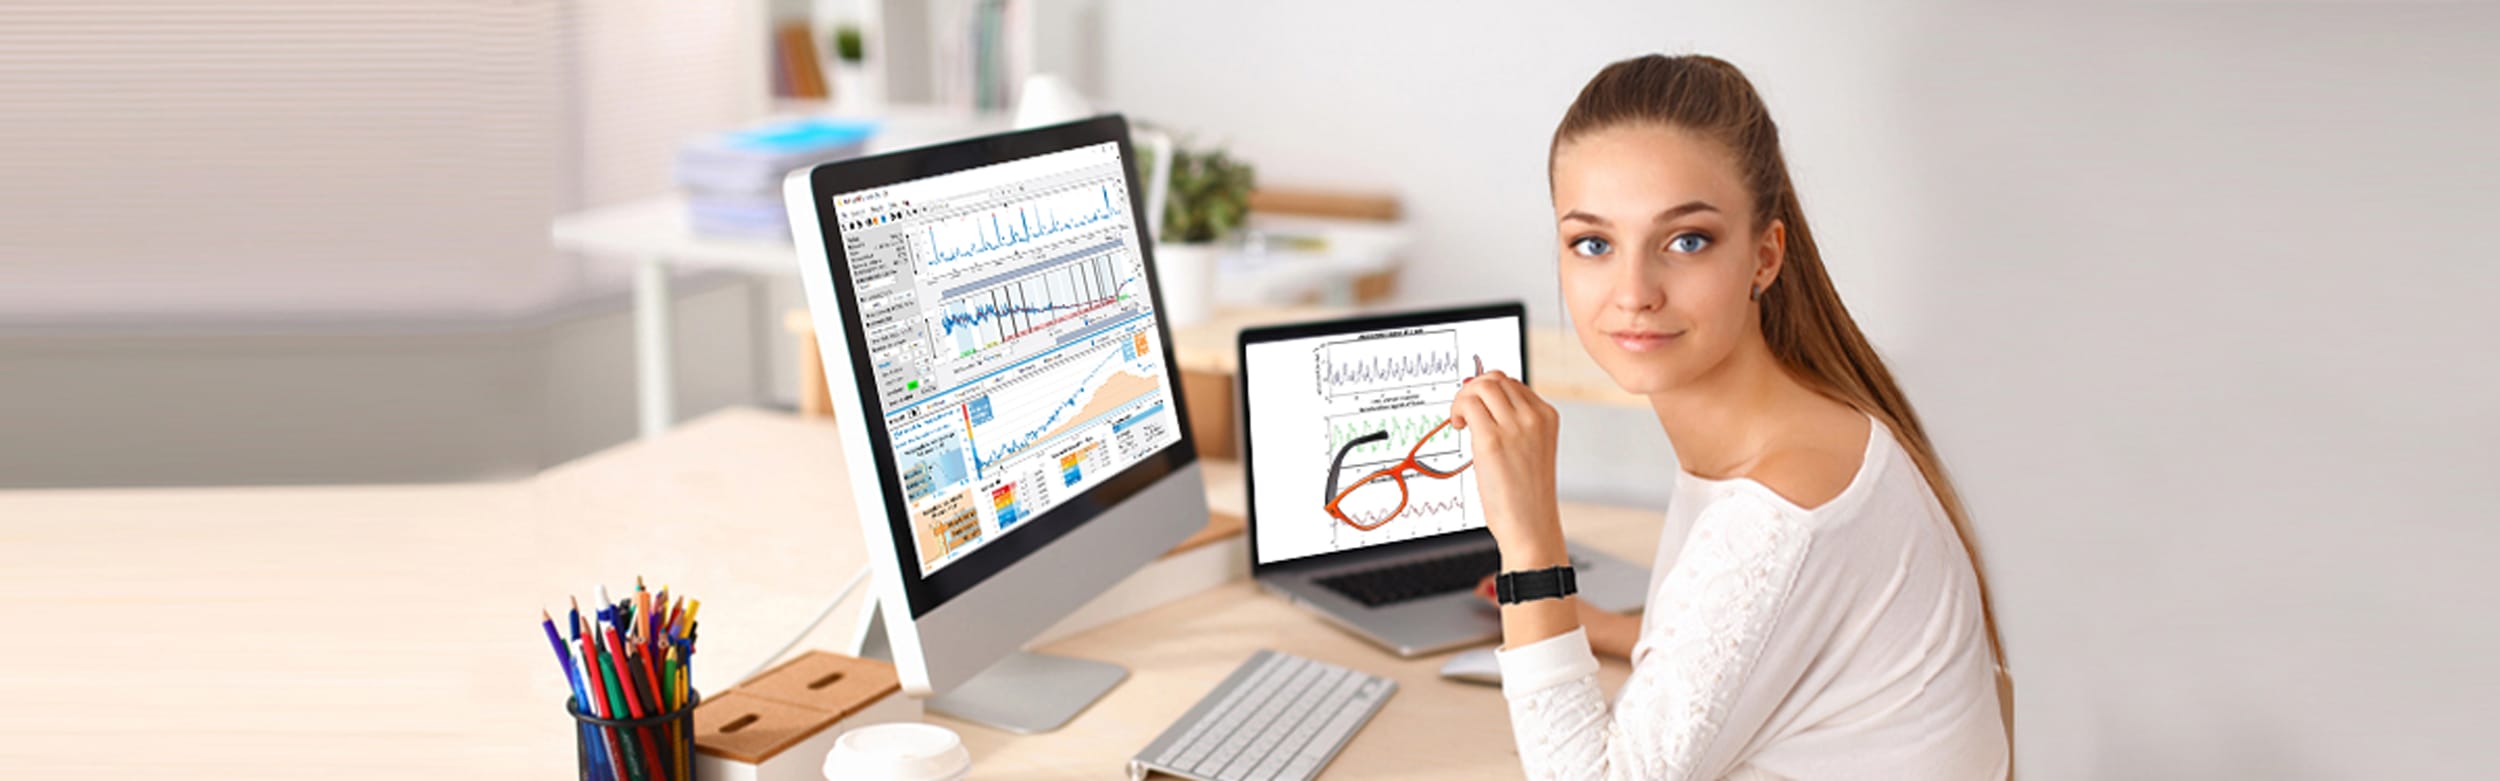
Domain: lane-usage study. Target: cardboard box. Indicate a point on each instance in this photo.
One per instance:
(778, 725)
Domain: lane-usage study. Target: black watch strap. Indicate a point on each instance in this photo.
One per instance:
(1511, 588)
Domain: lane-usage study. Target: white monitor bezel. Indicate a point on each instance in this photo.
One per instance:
(994, 616)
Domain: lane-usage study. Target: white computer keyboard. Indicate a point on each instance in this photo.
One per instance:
(1278, 716)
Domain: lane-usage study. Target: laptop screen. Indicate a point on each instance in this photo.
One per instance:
(1347, 447)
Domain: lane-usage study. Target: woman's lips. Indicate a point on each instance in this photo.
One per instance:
(1642, 341)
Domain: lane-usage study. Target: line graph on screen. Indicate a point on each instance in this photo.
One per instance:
(1386, 363)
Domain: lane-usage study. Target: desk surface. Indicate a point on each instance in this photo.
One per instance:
(387, 631)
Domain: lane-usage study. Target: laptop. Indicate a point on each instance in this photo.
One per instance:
(1362, 502)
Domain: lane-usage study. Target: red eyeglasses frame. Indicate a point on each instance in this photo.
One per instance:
(1396, 472)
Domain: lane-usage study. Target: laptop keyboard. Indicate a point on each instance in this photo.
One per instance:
(1409, 580)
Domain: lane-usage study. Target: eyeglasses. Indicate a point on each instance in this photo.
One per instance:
(1396, 473)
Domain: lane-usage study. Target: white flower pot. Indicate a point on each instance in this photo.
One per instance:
(1186, 273)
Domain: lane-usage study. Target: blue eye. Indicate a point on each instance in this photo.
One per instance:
(1590, 246)
(1688, 243)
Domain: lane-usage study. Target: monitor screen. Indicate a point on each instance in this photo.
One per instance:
(1009, 350)
(1350, 404)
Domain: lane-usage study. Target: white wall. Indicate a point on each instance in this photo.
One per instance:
(2195, 296)
(303, 162)
(275, 160)
(2209, 337)
(304, 241)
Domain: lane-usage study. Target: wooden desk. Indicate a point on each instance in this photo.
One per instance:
(389, 631)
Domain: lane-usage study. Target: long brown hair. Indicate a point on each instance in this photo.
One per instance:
(1809, 330)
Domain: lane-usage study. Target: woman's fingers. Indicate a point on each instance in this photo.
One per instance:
(1522, 401)
(1487, 388)
(1469, 411)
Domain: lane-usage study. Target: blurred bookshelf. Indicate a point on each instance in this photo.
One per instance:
(967, 57)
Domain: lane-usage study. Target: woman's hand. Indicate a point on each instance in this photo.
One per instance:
(1513, 433)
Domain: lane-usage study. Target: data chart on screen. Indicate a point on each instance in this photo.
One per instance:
(1011, 340)
(1335, 418)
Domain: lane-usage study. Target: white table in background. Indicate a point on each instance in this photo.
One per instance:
(654, 234)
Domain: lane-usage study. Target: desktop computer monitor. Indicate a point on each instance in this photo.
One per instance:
(1008, 401)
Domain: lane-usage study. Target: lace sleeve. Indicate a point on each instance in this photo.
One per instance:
(1698, 653)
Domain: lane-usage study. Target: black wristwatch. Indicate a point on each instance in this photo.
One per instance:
(1511, 588)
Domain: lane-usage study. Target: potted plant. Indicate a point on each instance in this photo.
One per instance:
(1209, 198)
(850, 66)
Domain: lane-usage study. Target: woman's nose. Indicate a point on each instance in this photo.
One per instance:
(1637, 287)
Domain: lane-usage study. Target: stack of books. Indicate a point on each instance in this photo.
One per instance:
(733, 179)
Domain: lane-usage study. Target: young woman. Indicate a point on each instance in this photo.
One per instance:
(1817, 611)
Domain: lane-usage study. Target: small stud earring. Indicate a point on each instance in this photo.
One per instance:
(1756, 295)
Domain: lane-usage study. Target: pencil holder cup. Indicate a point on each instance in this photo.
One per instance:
(659, 747)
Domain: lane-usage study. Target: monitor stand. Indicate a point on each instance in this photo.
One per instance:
(1025, 693)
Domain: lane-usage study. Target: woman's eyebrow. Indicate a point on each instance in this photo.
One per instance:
(1670, 213)
(1688, 207)
(1586, 217)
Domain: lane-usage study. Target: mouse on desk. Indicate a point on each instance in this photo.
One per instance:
(1475, 665)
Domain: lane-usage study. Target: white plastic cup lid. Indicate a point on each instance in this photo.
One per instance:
(905, 751)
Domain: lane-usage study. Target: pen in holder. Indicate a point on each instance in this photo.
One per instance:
(658, 747)
(630, 664)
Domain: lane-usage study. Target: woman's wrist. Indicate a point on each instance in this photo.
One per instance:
(1538, 548)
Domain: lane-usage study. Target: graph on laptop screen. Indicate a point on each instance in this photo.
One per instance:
(1012, 338)
(1375, 398)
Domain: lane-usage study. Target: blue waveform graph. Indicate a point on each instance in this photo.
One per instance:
(983, 313)
(988, 234)
(977, 314)
(1032, 303)
(1387, 363)
(1099, 393)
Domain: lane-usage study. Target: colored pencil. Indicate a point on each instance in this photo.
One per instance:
(637, 669)
(572, 675)
(597, 705)
(633, 699)
(642, 611)
(556, 642)
(602, 748)
(659, 705)
(630, 659)
(632, 764)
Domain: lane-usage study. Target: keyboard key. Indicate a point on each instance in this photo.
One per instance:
(1278, 716)
(1416, 579)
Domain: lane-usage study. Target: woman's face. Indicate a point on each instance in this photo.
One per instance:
(1657, 253)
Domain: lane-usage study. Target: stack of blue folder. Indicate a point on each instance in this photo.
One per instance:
(733, 179)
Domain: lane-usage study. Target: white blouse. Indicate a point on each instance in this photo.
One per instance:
(1845, 641)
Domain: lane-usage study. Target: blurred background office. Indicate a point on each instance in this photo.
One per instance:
(2196, 298)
